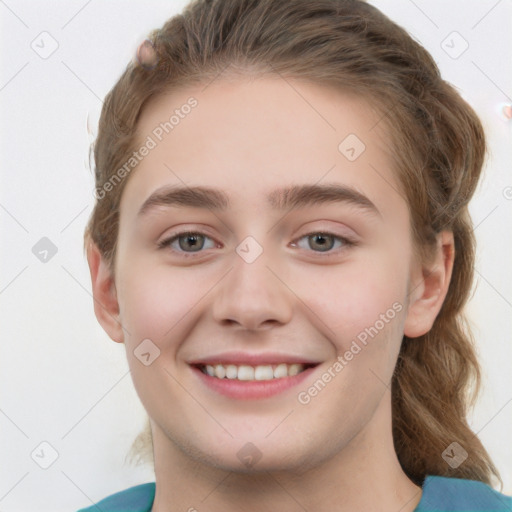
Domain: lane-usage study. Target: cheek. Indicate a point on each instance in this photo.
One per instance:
(365, 295)
(156, 302)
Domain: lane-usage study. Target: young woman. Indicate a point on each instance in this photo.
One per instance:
(281, 240)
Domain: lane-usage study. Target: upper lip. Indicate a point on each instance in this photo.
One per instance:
(239, 358)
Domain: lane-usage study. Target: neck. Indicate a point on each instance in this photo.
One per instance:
(364, 475)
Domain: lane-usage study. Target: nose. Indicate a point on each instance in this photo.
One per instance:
(253, 295)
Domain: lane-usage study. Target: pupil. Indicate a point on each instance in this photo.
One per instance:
(193, 239)
(322, 245)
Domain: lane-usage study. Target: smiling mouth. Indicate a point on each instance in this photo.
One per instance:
(253, 373)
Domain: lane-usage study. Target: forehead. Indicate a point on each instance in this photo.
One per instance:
(250, 136)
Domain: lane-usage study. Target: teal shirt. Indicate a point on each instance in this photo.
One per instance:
(440, 494)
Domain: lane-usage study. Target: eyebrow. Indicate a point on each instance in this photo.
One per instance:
(287, 198)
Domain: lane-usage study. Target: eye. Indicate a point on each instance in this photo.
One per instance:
(186, 240)
(187, 243)
(323, 242)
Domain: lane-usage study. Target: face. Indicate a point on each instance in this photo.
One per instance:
(300, 255)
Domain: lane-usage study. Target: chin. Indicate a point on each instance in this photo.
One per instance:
(275, 463)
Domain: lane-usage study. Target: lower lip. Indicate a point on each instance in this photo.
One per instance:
(252, 389)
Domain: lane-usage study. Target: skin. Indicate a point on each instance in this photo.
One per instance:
(250, 137)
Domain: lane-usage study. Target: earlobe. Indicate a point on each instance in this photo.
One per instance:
(428, 291)
(106, 306)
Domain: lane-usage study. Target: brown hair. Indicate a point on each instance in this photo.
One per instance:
(438, 149)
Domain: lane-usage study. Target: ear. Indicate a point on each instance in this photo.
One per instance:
(428, 288)
(106, 306)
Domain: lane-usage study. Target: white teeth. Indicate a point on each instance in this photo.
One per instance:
(294, 369)
(280, 371)
(263, 373)
(220, 371)
(246, 372)
(231, 371)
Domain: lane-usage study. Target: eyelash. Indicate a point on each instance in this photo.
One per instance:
(347, 243)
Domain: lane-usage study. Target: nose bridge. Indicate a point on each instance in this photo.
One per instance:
(252, 294)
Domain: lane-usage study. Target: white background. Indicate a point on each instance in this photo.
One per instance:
(62, 380)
